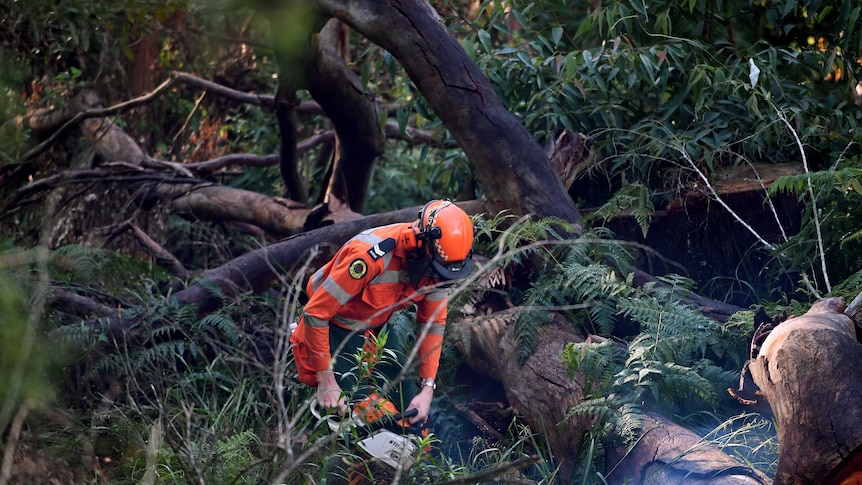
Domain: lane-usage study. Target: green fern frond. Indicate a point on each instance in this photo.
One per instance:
(680, 383)
(850, 285)
(851, 238)
(85, 261)
(602, 316)
(597, 410)
(632, 199)
(223, 323)
(837, 179)
(719, 378)
(629, 421)
(214, 290)
(596, 362)
(526, 330)
(612, 416)
(513, 236)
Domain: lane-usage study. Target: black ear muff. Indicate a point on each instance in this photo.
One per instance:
(426, 233)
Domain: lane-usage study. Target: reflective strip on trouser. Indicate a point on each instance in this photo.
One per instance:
(352, 380)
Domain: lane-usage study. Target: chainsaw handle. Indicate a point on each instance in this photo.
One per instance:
(407, 414)
(335, 422)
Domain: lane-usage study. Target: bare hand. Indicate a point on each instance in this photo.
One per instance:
(422, 404)
(329, 393)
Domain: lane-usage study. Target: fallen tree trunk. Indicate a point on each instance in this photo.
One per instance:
(542, 392)
(808, 372)
(258, 270)
(668, 454)
(210, 202)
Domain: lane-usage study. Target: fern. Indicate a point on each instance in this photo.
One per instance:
(223, 323)
(839, 179)
(511, 237)
(850, 286)
(668, 362)
(597, 362)
(615, 417)
(632, 199)
(526, 329)
(837, 192)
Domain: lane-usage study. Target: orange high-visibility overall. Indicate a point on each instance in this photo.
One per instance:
(359, 289)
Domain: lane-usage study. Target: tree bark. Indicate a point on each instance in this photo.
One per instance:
(542, 392)
(808, 371)
(668, 454)
(514, 169)
(211, 202)
(353, 112)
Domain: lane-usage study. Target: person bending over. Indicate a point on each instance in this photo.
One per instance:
(374, 274)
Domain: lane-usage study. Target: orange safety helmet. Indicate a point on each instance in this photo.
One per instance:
(447, 232)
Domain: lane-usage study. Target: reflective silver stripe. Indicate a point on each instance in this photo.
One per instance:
(336, 291)
(434, 329)
(367, 238)
(438, 295)
(317, 279)
(315, 322)
(351, 323)
(387, 277)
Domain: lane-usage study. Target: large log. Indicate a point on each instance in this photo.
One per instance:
(542, 392)
(669, 454)
(808, 371)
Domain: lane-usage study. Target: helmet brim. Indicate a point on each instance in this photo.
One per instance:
(453, 271)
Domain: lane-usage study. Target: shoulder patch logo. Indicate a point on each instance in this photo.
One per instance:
(380, 249)
(357, 268)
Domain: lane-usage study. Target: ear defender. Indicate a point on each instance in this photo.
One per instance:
(434, 232)
(407, 239)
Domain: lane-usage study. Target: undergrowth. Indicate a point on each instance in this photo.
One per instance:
(182, 398)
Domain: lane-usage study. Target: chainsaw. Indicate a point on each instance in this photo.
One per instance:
(382, 438)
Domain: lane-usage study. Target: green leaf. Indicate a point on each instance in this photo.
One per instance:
(485, 40)
(402, 117)
(365, 73)
(557, 34)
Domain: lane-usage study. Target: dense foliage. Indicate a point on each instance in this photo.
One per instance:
(673, 91)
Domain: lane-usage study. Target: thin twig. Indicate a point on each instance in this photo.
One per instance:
(769, 201)
(822, 252)
(681, 149)
(12, 443)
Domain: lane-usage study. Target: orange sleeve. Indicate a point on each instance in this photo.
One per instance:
(431, 315)
(350, 271)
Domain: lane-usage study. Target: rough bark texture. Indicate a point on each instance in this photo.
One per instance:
(668, 454)
(353, 113)
(541, 390)
(808, 370)
(513, 167)
(219, 203)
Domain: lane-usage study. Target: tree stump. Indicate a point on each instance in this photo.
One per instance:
(808, 370)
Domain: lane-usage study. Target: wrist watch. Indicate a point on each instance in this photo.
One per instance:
(428, 382)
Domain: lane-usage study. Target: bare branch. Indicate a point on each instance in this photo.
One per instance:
(814, 209)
